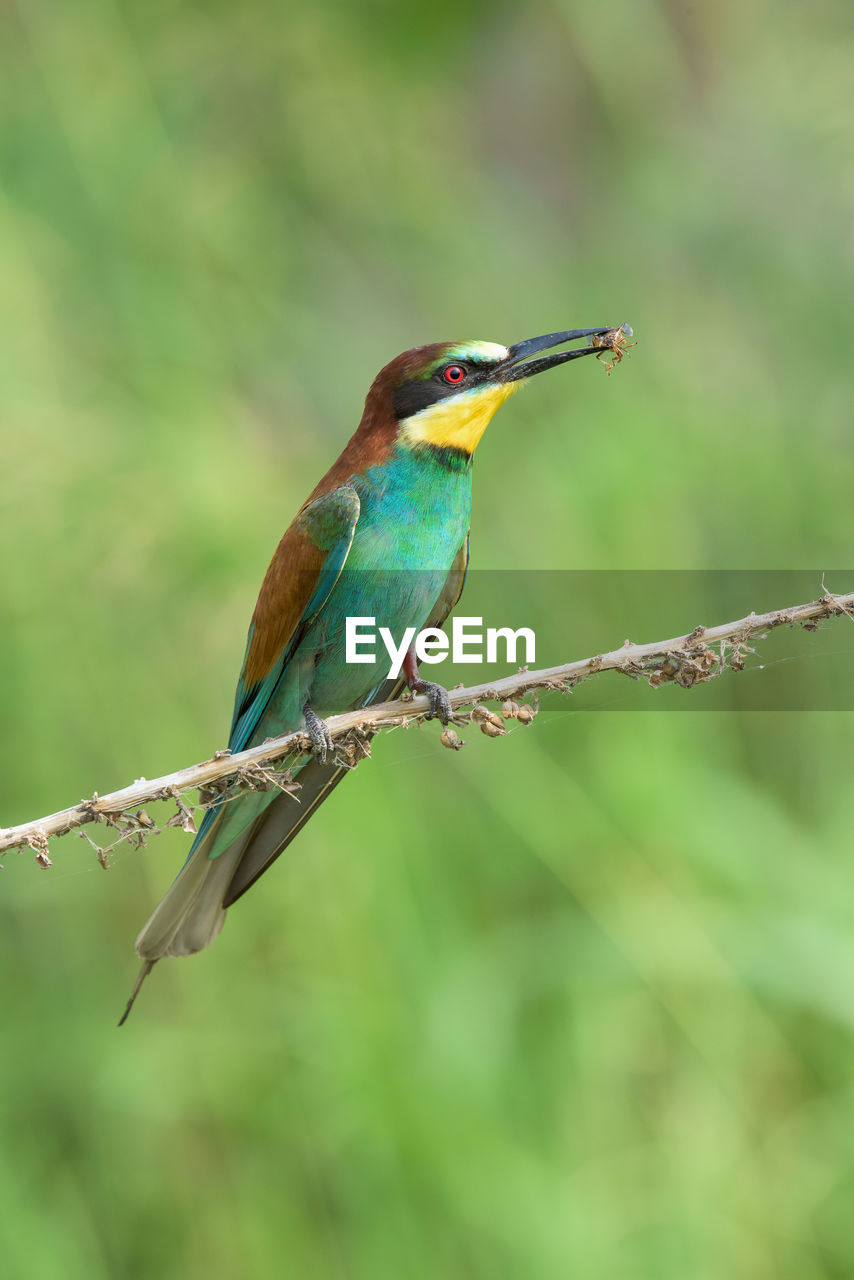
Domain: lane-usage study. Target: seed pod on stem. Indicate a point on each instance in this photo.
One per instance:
(482, 715)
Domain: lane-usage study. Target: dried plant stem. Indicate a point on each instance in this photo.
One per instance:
(685, 660)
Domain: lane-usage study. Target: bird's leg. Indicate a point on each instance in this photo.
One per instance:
(440, 702)
(318, 731)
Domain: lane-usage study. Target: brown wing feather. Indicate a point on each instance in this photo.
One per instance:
(286, 590)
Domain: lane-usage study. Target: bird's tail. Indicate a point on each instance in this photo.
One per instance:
(235, 845)
(192, 913)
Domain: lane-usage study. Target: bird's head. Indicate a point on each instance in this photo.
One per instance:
(445, 394)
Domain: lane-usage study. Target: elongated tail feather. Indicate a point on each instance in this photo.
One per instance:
(143, 974)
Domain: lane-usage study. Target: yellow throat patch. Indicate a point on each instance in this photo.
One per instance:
(458, 422)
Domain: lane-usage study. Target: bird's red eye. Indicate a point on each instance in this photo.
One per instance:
(454, 373)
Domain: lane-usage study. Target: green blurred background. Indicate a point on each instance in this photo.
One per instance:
(578, 1002)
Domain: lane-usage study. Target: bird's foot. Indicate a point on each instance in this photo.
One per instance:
(318, 731)
(437, 696)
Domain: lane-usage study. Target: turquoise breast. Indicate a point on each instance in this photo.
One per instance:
(415, 514)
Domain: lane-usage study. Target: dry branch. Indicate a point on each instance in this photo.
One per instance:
(685, 660)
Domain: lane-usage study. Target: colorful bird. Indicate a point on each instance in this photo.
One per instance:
(385, 534)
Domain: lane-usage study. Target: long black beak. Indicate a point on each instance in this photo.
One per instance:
(518, 365)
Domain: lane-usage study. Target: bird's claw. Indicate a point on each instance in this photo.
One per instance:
(439, 700)
(318, 732)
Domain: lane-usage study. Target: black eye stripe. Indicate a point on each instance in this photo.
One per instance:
(411, 397)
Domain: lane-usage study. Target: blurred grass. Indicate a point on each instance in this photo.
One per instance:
(592, 1013)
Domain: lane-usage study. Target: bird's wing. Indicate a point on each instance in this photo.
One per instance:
(276, 827)
(307, 564)
(305, 567)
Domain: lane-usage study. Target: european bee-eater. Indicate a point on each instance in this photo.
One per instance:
(385, 534)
